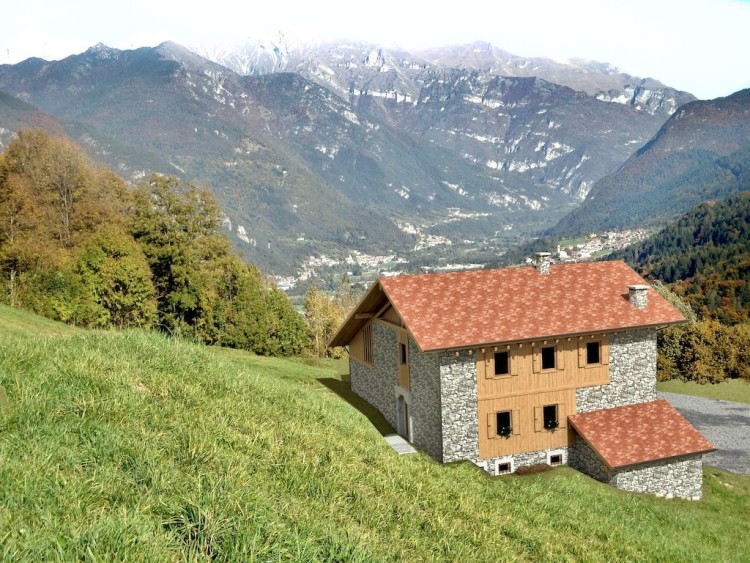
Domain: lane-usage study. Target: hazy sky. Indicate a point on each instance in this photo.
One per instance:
(702, 46)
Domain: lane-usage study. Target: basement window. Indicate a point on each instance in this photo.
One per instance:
(548, 357)
(554, 458)
(503, 427)
(549, 413)
(593, 353)
(503, 468)
(502, 363)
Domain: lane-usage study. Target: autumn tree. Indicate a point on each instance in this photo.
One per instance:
(176, 225)
(117, 281)
(323, 317)
(19, 216)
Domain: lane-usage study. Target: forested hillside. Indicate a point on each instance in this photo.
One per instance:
(705, 257)
(702, 152)
(704, 260)
(80, 246)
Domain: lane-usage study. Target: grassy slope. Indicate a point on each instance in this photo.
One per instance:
(130, 446)
(737, 390)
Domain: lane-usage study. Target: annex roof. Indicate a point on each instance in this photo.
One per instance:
(641, 433)
(480, 307)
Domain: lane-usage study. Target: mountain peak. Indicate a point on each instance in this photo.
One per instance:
(102, 51)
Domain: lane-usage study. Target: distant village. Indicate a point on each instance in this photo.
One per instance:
(590, 247)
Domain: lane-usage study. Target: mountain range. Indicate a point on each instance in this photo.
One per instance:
(701, 153)
(347, 147)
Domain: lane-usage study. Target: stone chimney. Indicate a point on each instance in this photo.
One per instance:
(638, 296)
(542, 262)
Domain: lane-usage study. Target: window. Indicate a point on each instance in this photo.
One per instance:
(402, 353)
(503, 424)
(593, 353)
(549, 414)
(548, 357)
(503, 468)
(502, 364)
(555, 457)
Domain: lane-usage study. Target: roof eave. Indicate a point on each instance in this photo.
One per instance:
(549, 336)
(653, 460)
(352, 324)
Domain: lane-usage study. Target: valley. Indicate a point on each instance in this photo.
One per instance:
(457, 152)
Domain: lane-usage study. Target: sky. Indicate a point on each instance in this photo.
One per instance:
(700, 46)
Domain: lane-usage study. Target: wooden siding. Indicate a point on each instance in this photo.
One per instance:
(527, 434)
(528, 388)
(360, 346)
(526, 375)
(391, 316)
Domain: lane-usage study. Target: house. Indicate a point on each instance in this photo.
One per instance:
(513, 367)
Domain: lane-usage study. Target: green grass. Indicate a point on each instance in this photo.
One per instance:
(129, 446)
(18, 322)
(737, 390)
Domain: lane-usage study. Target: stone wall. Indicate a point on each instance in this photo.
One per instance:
(376, 384)
(680, 477)
(582, 458)
(632, 373)
(424, 379)
(523, 460)
(460, 422)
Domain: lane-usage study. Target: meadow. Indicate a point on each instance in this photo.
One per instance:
(132, 446)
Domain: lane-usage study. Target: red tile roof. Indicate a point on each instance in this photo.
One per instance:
(635, 434)
(463, 309)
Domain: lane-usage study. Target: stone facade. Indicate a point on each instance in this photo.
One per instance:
(460, 413)
(444, 412)
(424, 380)
(632, 373)
(376, 384)
(679, 477)
(522, 460)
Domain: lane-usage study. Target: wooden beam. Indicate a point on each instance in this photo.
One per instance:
(363, 316)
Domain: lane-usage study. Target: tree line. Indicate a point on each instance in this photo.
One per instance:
(704, 261)
(79, 245)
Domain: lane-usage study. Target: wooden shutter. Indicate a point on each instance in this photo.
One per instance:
(559, 357)
(536, 354)
(484, 359)
(562, 415)
(491, 422)
(515, 421)
(604, 352)
(513, 361)
(581, 354)
(538, 419)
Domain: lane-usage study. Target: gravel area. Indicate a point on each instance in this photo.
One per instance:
(724, 423)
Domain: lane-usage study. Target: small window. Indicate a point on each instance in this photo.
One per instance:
(593, 353)
(402, 353)
(503, 468)
(555, 459)
(504, 427)
(502, 365)
(548, 357)
(549, 413)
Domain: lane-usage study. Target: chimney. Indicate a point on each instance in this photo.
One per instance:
(542, 262)
(638, 295)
